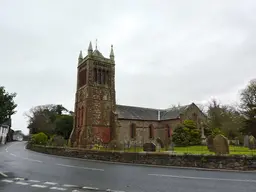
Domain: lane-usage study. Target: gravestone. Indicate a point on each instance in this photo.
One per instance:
(149, 147)
(209, 142)
(246, 141)
(252, 142)
(220, 144)
(160, 142)
(57, 140)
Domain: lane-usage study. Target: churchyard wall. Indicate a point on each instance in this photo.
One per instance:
(154, 158)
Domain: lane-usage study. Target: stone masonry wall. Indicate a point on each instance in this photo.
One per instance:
(199, 161)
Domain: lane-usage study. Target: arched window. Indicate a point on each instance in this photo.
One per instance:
(151, 131)
(99, 76)
(107, 77)
(82, 116)
(85, 77)
(103, 77)
(169, 132)
(133, 130)
(95, 74)
(78, 117)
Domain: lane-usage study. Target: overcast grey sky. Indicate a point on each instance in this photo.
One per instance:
(167, 52)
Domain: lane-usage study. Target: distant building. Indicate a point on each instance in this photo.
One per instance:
(4, 129)
(98, 117)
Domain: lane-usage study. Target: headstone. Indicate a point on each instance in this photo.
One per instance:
(252, 142)
(158, 147)
(149, 147)
(246, 141)
(220, 144)
(209, 142)
(58, 141)
(160, 142)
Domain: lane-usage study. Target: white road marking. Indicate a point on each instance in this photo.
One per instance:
(50, 183)
(39, 186)
(34, 181)
(68, 185)
(31, 159)
(87, 168)
(1, 173)
(109, 190)
(7, 181)
(13, 154)
(90, 188)
(75, 190)
(19, 179)
(21, 183)
(203, 178)
(58, 188)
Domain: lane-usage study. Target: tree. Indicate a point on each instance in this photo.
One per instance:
(41, 119)
(64, 125)
(224, 119)
(248, 108)
(7, 105)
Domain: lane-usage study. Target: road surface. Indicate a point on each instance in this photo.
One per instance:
(24, 170)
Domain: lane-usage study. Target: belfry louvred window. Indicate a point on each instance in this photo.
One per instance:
(82, 76)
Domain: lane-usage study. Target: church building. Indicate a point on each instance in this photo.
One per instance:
(98, 118)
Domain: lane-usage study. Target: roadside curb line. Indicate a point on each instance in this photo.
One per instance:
(3, 174)
(146, 165)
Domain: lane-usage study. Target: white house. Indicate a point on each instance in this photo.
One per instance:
(4, 129)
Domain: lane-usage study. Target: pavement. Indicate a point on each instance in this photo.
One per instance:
(24, 170)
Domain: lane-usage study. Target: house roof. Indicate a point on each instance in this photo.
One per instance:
(140, 113)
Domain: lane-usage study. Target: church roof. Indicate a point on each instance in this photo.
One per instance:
(173, 113)
(140, 113)
(97, 53)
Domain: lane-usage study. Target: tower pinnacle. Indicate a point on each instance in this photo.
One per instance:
(90, 48)
(80, 57)
(112, 56)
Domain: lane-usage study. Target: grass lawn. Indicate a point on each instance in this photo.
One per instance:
(234, 150)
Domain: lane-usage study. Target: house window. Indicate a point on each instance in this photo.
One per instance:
(151, 131)
(133, 130)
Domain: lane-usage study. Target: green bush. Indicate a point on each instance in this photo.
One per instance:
(39, 139)
(187, 134)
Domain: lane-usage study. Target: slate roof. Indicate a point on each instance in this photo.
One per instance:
(140, 113)
(97, 53)
(7, 123)
(173, 113)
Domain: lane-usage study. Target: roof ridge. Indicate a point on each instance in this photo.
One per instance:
(140, 107)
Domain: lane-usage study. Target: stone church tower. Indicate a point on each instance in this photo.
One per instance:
(95, 102)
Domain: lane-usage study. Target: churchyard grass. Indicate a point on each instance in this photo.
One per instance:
(196, 150)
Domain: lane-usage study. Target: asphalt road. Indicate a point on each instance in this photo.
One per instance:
(24, 170)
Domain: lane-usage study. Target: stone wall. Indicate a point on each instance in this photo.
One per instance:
(211, 162)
